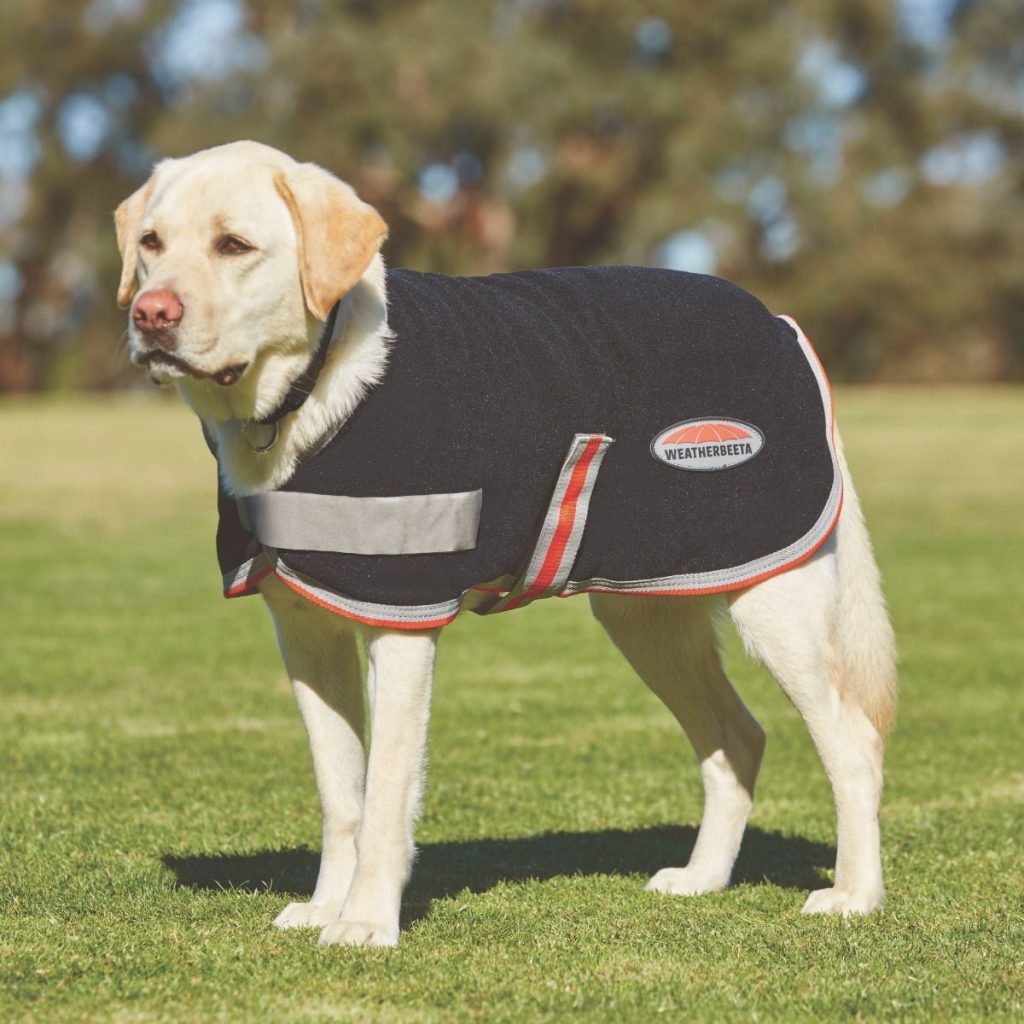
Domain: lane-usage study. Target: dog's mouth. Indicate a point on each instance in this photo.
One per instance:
(163, 364)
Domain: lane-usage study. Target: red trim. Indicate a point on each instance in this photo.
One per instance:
(384, 623)
(722, 588)
(566, 519)
(250, 585)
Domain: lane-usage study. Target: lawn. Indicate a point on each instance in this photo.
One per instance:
(158, 810)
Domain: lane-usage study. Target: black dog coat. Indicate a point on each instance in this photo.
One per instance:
(552, 432)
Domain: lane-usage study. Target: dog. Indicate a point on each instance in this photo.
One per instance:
(231, 253)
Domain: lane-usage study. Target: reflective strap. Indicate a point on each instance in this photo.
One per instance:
(560, 536)
(410, 524)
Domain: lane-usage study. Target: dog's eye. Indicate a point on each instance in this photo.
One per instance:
(151, 240)
(232, 245)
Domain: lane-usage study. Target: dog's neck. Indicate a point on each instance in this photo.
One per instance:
(356, 361)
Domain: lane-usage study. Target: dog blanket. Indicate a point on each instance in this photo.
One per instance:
(552, 432)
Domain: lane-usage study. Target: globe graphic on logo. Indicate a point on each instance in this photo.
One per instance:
(703, 433)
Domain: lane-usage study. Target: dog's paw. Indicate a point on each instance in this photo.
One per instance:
(683, 882)
(839, 901)
(359, 933)
(307, 915)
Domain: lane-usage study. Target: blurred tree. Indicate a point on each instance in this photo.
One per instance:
(77, 72)
(857, 165)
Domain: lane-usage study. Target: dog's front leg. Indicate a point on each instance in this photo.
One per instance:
(401, 668)
(322, 660)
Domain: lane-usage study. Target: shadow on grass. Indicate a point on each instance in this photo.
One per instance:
(444, 869)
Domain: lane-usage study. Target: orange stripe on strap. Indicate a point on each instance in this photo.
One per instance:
(566, 519)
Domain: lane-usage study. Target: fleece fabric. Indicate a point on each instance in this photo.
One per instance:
(490, 378)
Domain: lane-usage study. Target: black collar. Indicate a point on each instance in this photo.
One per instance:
(304, 383)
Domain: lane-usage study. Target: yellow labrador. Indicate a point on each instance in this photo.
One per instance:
(225, 253)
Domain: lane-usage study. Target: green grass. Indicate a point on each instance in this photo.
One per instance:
(157, 807)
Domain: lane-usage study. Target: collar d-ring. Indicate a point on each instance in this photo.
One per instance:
(261, 437)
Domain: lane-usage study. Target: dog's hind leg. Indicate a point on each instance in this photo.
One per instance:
(671, 644)
(322, 660)
(791, 623)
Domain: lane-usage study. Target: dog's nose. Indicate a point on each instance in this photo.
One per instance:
(158, 310)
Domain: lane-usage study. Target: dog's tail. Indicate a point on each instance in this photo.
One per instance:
(867, 646)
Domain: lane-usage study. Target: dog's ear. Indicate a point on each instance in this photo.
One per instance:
(126, 221)
(338, 233)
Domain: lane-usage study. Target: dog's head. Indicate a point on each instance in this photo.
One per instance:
(223, 253)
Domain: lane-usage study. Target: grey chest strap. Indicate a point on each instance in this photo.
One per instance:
(410, 524)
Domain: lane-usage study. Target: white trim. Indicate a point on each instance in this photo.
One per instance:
(245, 575)
(416, 615)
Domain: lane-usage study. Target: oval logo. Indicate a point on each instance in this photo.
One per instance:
(707, 445)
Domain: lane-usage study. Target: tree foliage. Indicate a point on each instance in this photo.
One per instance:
(864, 180)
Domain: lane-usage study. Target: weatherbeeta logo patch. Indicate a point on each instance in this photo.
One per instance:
(707, 445)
